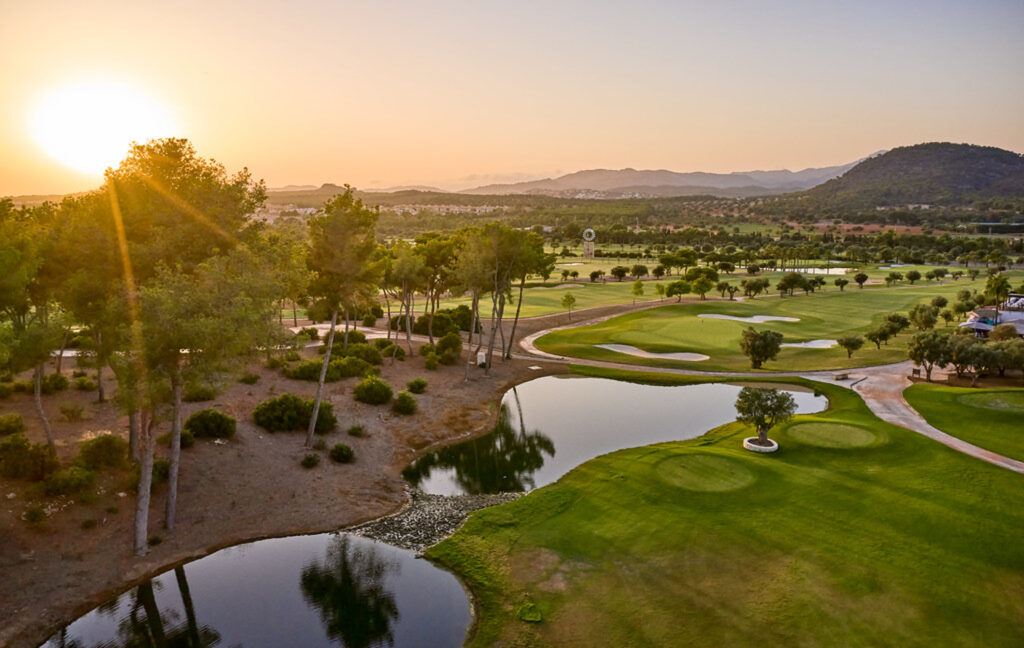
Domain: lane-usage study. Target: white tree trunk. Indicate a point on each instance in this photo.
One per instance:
(320, 382)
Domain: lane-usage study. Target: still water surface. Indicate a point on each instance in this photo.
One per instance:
(329, 589)
(550, 425)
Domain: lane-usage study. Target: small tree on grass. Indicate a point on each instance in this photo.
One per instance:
(841, 282)
(568, 302)
(760, 346)
(660, 289)
(924, 316)
(764, 408)
(620, 272)
(851, 343)
(638, 290)
(702, 285)
(677, 289)
(929, 349)
(861, 279)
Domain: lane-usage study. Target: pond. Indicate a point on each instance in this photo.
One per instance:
(548, 426)
(329, 589)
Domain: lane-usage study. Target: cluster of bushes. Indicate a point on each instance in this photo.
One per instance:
(210, 423)
(416, 386)
(85, 383)
(389, 348)
(249, 378)
(373, 390)
(290, 413)
(447, 351)
(404, 404)
(344, 367)
(20, 459)
(197, 393)
(446, 320)
(11, 424)
(354, 337)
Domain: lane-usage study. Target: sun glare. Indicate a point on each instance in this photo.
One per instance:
(89, 126)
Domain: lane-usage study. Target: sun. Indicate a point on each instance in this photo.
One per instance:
(89, 126)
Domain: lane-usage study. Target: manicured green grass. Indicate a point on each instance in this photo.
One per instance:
(822, 315)
(900, 542)
(990, 418)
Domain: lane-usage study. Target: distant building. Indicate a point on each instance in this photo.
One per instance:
(983, 320)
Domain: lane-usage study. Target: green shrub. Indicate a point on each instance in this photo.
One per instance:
(84, 383)
(351, 367)
(312, 332)
(341, 453)
(71, 411)
(89, 524)
(292, 356)
(24, 386)
(249, 378)
(310, 461)
(34, 514)
(382, 343)
(274, 363)
(354, 337)
(53, 383)
(187, 439)
(372, 390)
(210, 423)
(20, 459)
(105, 451)
(404, 404)
(417, 386)
(310, 370)
(427, 349)
(70, 480)
(6, 389)
(362, 351)
(431, 362)
(357, 431)
(369, 320)
(198, 393)
(154, 540)
(11, 424)
(289, 413)
(78, 373)
(161, 471)
(449, 348)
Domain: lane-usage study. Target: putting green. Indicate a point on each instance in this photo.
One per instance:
(831, 435)
(1007, 401)
(706, 473)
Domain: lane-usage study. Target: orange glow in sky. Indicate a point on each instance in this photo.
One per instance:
(457, 93)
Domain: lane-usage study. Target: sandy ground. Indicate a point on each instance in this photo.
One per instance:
(250, 488)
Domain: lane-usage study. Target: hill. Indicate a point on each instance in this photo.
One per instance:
(937, 173)
(612, 183)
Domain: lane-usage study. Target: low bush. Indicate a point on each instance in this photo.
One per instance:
(6, 389)
(431, 362)
(187, 439)
(449, 348)
(310, 331)
(292, 356)
(89, 524)
(341, 453)
(369, 320)
(11, 424)
(382, 343)
(210, 423)
(354, 337)
(427, 349)
(310, 461)
(393, 350)
(357, 431)
(417, 386)
(20, 459)
(71, 411)
(70, 480)
(84, 383)
(34, 514)
(78, 373)
(105, 451)
(310, 370)
(372, 390)
(351, 367)
(289, 413)
(53, 383)
(405, 404)
(24, 386)
(274, 363)
(198, 393)
(249, 378)
(362, 351)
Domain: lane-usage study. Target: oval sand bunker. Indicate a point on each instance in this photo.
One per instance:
(640, 353)
(753, 319)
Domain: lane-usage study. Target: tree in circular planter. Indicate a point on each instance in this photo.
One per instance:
(764, 408)
(372, 390)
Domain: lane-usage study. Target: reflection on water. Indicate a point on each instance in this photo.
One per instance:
(320, 590)
(582, 418)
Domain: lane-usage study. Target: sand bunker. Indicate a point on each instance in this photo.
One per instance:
(753, 319)
(811, 344)
(640, 353)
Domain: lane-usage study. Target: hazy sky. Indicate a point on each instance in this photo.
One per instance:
(378, 93)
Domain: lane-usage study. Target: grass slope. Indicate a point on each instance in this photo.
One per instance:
(897, 542)
(990, 418)
(822, 315)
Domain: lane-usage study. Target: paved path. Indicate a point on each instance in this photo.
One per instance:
(880, 386)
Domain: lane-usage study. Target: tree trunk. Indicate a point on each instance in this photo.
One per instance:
(927, 372)
(762, 436)
(501, 329)
(344, 341)
(60, 353)
(387, 304)
(430, 317)
(472, 327)
(320, 382)
(408, 321)
(145, 485)
(38, 397)
(492, 337)
(172, 477)
(515, 322)
(102, 396)
(133, 434)
(153, 620)
(295, 314)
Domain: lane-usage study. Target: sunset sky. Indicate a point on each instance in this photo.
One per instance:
(457, 94)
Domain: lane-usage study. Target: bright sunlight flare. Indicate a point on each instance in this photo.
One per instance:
(89, 126)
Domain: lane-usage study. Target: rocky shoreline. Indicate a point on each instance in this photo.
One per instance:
(427, 519)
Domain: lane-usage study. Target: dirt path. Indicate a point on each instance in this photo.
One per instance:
(880, 386)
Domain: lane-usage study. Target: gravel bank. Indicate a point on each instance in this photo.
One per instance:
(427, 519)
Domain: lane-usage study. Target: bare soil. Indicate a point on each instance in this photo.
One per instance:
(252, 487)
